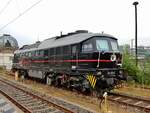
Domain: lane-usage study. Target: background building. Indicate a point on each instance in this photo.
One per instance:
(142, 51)
(8, 45)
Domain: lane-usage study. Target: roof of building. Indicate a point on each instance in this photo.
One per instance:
(7, 40)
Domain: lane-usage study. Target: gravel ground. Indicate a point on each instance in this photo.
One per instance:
(16, 109)
(85, 101)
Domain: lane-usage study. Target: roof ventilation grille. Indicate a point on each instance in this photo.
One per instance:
(81, 31)
(71, 33)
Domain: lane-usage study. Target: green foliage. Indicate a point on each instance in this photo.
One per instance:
(140, 73)
(144, 73)
(129, 64)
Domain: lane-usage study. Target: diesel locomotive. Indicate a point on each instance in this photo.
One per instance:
(78, 60)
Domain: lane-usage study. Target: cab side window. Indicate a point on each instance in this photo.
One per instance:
(86, 47)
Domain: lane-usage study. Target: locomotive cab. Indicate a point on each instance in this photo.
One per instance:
(101, 56)
(99, 53)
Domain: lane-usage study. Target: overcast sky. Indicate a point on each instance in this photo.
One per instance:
(49, 17)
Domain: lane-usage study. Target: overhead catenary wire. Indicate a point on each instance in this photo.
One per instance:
(21, 14)
(18, 7)
(3, 9)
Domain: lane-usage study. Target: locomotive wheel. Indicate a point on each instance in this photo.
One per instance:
(58, 82)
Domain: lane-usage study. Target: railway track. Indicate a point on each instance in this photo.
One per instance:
(139, 103)
(31, 101)
(147, 88)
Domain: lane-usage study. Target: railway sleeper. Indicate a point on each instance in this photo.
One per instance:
(46, 110)
(29, 101)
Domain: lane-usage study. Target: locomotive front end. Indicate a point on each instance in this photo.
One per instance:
(106, 60)
(109, 63)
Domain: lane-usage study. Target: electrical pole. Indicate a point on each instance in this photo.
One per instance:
(135, 4)
(132, 48)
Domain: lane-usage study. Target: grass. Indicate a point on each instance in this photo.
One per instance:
(134, 90)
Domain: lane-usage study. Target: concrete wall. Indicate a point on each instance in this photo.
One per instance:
(6, 60)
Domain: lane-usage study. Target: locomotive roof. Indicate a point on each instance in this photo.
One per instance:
(68, 40)
(29, 47)
(72, 38)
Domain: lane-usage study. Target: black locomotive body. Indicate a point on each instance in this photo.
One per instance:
(79, 60)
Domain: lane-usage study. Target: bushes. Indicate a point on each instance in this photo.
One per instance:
(144, 73)
(129, 64)
(140, 73)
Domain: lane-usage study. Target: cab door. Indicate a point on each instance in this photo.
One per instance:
(86, 60)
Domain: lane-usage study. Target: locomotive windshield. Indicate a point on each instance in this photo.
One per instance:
(114, 46)
(107, 45)
(102, 45)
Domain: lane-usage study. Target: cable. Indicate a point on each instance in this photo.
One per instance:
(5, 7)
(17, 5)
(13, 20)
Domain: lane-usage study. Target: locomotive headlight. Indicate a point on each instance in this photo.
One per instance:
(113, 57)
(99, 73)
